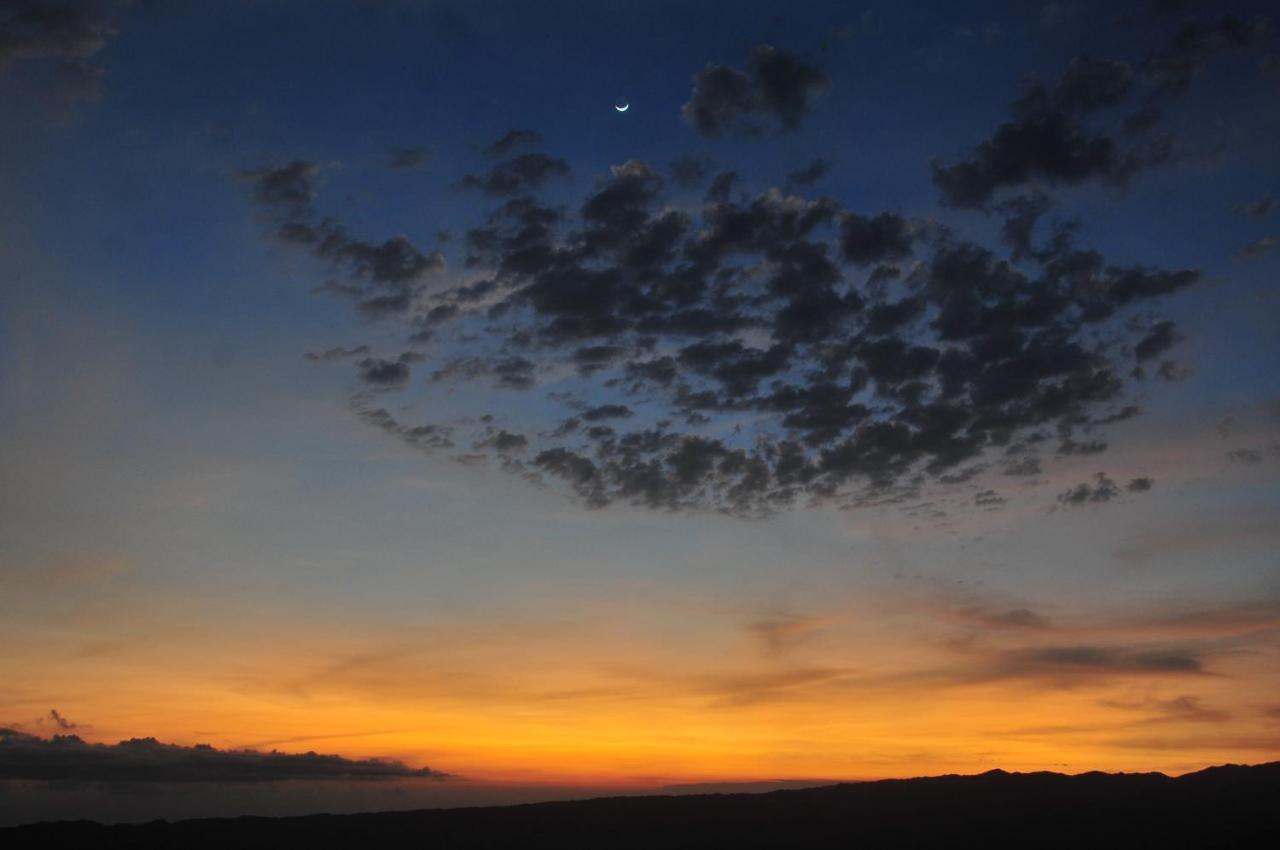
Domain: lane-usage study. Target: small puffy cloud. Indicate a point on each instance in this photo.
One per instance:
(1257, 248)
(810, 174)
(403, 159)
(1245, 457)
(1257, 208)
(775, 92)
(384, 373)
(1102, 489)
(1162, 336)
(519, 174)
(510, 140)
(336, 353)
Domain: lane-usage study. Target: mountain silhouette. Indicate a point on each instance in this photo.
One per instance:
(1230, 806)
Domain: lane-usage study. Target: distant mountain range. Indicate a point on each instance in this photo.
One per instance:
(1221, 807)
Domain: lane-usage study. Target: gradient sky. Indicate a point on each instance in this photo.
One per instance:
(247, 248)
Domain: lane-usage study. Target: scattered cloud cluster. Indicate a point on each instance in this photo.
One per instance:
(1102, 489)
(773, 346)
(382, 278)
(766, 349)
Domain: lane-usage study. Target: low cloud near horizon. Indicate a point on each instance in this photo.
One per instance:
(69, 758)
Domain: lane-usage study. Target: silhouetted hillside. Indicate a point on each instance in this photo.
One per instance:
(1229, 806)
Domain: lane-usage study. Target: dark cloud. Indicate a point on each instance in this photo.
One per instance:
(1103, 489)
(1139, 485)
(44, 28)
(1162, 336)
(988, 499)
(511, 140)
(1052, 139)
(407, 158)
(511, 372)
(60, 39)
(423, 437)
(67, 758)
(810, 174)
(721, 186)
(1021, 215)
(383, 278)
(286, 188)
(865, 240)
(337, 353)
(1195, 42)
(1052, 661)
(1257, 248)
(504, 442)
(1257, 209)
(1245, 457)
(606, 411)
(521, 173)
(768, 349)
(774, 93)
(1172, 371)
(690, 171)
(60, 721)
(1023, 466)
(384, 373)
(1021, 618)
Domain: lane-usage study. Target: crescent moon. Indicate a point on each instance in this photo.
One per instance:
(623, 108)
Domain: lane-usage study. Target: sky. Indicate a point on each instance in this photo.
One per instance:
(389, 420)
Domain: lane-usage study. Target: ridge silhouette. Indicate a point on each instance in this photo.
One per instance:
(1228, 806)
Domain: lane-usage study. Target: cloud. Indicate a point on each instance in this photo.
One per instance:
(810, 174)
(384, 373)
(780, 309)
(689, 171)
(1103, 489)
(1090, 660)
(1195, 42)
(1162, 336)
(61, 39)
(510, 140)
(1012, 618)
(504, 442)
(1100, 121)
(62, 722)
(780, 633)
(1049, 140)
(988, 499)
(383, 278)
(67, 758)
(336, 353)
(1139, 485)
(519, 174)
(774, 94)
(1245, 457)
(1257, 209)
(407, 158)
(290, 187)
(765, 349)
(422, 437)
(1257, 248)
(1183, 709)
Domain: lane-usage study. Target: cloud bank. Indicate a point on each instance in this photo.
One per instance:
(68, 758)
